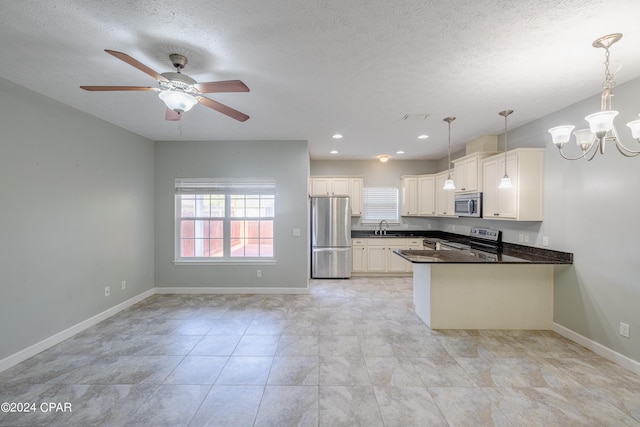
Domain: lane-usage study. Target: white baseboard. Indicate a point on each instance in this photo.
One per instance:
(230, 290)
(598, 348)
(41, 346)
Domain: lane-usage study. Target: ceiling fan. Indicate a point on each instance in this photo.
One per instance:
(179, 91)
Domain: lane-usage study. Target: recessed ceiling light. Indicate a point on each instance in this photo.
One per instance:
(400, 152)
(384, 158)
(337, 136)
(423, 136)
(334, 152)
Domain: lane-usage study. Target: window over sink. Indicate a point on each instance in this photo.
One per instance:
(380, 204)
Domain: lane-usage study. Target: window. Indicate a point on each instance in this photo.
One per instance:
(224, 220)
(380, 203)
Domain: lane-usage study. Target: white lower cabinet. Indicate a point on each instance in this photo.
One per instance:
(376, 255)
(359, 255)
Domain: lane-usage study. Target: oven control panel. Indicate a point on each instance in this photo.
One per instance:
(486, 234)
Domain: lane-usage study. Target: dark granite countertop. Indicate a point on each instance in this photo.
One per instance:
(365, 234)
(511, 253)
(473, 256)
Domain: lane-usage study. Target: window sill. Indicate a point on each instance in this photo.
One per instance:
(208, 262)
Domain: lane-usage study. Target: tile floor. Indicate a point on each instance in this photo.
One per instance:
(350, 353)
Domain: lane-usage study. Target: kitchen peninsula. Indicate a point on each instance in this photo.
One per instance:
(472, 289)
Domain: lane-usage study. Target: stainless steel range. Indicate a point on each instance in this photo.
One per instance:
(486, 239)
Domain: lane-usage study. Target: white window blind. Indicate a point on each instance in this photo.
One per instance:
(380, 203)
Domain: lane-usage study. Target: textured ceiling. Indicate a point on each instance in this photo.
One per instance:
(317, 67)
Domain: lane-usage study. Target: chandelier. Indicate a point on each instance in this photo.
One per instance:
(601, 128)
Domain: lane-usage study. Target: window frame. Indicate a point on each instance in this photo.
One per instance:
(226, 188)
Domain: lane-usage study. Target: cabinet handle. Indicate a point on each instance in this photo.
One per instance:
(496, 214)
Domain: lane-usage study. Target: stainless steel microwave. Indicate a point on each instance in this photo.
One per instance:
(468, 205)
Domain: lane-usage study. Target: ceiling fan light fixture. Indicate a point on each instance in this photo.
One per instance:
(178, 101)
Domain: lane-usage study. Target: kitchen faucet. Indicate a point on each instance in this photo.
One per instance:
(385, 228)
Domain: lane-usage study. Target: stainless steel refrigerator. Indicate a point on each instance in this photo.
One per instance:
(331, 237)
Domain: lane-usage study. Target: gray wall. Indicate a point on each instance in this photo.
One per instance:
(285, 161)
(77, 215)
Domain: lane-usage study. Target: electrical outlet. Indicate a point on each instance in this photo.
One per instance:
(624, 330)
(545, 240)
(124, 284)
(526, 238)
(107, 291)
(428, 226)
(259, 273)
(453, 228)
(521, 238)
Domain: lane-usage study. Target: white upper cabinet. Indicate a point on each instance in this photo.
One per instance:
(466, 174)
(339, 186)
(444, 198)
(523, 202)
(355, 192)
(409, 188)
(426, 195)
(329, 186)
(468, 171)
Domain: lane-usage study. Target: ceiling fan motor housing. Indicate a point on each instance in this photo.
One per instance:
(178, 81)
(178, 61)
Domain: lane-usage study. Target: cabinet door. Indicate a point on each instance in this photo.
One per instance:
(409, 196)
(460, 169)
(470, 167)
(507, 197)
(340, 186)
(426, 196)
(490, 189)
(359, 258)
(355, 185)
(320, 186)
(376, 259)
(444, 198)
(395, 263)
(500, 202)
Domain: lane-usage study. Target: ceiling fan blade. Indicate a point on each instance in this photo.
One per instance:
(223, 86)
(172, 116)
(108, 88)
(235, 114)
(137, 64)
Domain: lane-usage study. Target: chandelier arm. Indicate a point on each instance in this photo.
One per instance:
(625, 151)
(574, 158)
(620, 146)
(593, 154)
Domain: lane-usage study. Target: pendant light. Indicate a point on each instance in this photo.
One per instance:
(505, 182)
(448, 184)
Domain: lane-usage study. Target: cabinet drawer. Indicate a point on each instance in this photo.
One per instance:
(358, 242)
(385, 241)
